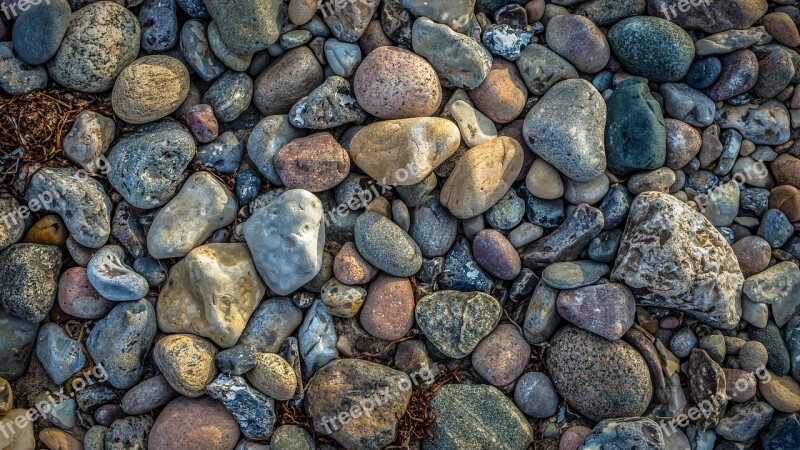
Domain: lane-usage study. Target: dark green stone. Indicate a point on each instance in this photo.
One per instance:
(652, 47)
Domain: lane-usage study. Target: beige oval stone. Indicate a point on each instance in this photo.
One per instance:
(211, 293)
(544, 181)
(187, 362)
(273, 376)
(782, 392)
(481, 177)
(151, 88)
(403, 152)
(56, 439)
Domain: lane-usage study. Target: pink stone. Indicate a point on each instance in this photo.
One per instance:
(607, 310)
(496, 255)
(202, 123)
(349, 267)
(78, 298)
(501, 357)
(194, 423)
(388, 312)
(315, 163)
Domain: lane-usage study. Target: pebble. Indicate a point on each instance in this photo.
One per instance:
(57, 439)
(544, 181)
(632, 432)
(565, 129)
(291, 437)
(343, 58)
(101, 40)
(342, 300)
(482, 177)
(148, 395)
(386, 246)
(112, 278)
(317, 338)
(273, 376)
(187, 363)
(286, 239)
(95, 438)
(783, 431)
(476, 128)
(230, 95)
(501, 357)
(599, 378)
(658, 214)
(775, 228)
(132, 326)
(456, 15)
(652, 47)
(739, 75)
(224, 154)
(738, 14)
(199, 423)
(743, 422)
(507, 213)
(39, 29)
(443, 319)
(732, 40)
(496, 255)
(159, 22)
(458, 60)
(461, 272)
(571, 275)
(590, 192)
(579, 306)
(787, 199)
(505, 41)
(782, 392)
(11, 231)
(535, 395)
(433, 228)
(81, 202)
(574, 436)
(777, 286)
(632, 107)
(89, 139)
(202, 123)
(770, 336)
(785, 168)
(477, 415)
(578, 40)
(330, 105)
(151, 88)
(604, 247)
(503, 93)
(315, 163)
(231, 59)
(29, 274)
(349, 20)
(782, 28)
(257, 33)
(17, 76)
(61, 356)
(582, 225)
(266, 139)
(16, 346)
(541, 69)
(703, 72)
(291, 77)
(388, 312)
(273, 321)
(347, 382)
(146, 168)
(392, 83)
(682, 342)
(351, 268)
(405, 152)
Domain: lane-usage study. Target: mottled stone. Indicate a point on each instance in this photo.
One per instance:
(455, 322)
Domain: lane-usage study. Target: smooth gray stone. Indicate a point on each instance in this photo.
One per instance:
(60, 355)
(112, 278)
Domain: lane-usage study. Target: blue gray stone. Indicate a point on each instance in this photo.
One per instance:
(271, 323)
(507, 212)
(17, 337)
(505, 41)
(81, 202)
(230, 95)
(652, 47)
(236, 360)
(129, 433)
(582, 225)
(386, 246)
(248, 183)
(433, 228)
(330, 105)
(544, 213)
(268, 136)
(626, 434)
(112, 278)
(197, 52)
(574, 274)
(60, 355)
(317, 338)
(775, 228)
(152, 270)
(770, 336)
(38, 31)
(254, 411)
(604, 247)
(147, 167)
(121, 340)
(159, 22)
(704, 72)
(461, 272)
(16, 76)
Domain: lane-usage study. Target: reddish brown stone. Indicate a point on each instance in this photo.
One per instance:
(502, 94)
(351, 268)
(388, 313)
(56, 439)
(202, 123)
(501, 357)
(78, 298)
(787, 199)
(740, 385)
(315, 163)
(786, 169)
(194, 423)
